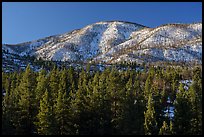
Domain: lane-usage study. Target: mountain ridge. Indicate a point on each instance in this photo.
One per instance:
(104, 21)
(111, 42)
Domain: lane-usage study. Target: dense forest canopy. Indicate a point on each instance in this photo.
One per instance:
(69, 102)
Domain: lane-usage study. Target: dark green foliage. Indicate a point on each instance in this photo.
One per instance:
(26, 108)
(45, 125)
(150, 124)
(61, 112)
(69, 102)
(195, 96)
(183, 112)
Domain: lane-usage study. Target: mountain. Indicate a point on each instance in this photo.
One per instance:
(113, 42)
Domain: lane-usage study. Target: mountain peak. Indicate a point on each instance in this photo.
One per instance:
(118, 41)
(119, 21)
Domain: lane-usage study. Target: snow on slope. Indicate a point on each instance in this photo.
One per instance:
(171, 42)
(116, 41)
(93, 40)
(8, 49)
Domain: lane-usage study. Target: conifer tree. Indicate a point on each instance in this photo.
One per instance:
(133, 108)
(104, 105)
(95, 104)
(182, 112)
(26, 104)
(69, 102)
(116, 93)
(41, 87)
(54, 84)
(150, 124)
(3, 78)
(139, 103)
(14, 97)
(7, 109)
(64, 82)
(147, 87)
(171, 128)
(78, 113)
(72, 80)
(61, 113)
(73, 114)
(45, 116)
(196, 106)
(61, 106)
(164, 130)
(159, 105)
(128, 107)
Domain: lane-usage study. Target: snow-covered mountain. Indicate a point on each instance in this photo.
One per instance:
(117, 41)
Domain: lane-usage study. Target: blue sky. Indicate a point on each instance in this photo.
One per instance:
(26, 21)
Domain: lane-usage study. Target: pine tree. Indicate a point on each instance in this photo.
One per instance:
(127, 121)
(150, 124)
(64, 82)
(116, 93)
(61, 113)
(182, 112)
(147, 87)
(95, 105)
(26, 104)
(196, 106)
(61, 110)
(159, 105)
(45, 116)
(139, 103)
(171, 128)
(42, 85)
(7, 109)
(133, 108)
(78, 103)
(104, 106)
(151, 71)
(54, 84)
(72, 80)
(13, 105)
(7, 85)
(73, 114)
(164, 130)
(3, 78)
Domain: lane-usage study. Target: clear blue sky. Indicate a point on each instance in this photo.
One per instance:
(26, 21)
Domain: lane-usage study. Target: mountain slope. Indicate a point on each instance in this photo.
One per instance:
(185, 41)
(118, 41)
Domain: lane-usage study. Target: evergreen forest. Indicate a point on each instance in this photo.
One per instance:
(65, 101)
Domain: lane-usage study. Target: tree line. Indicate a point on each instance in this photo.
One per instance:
(70, 102)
